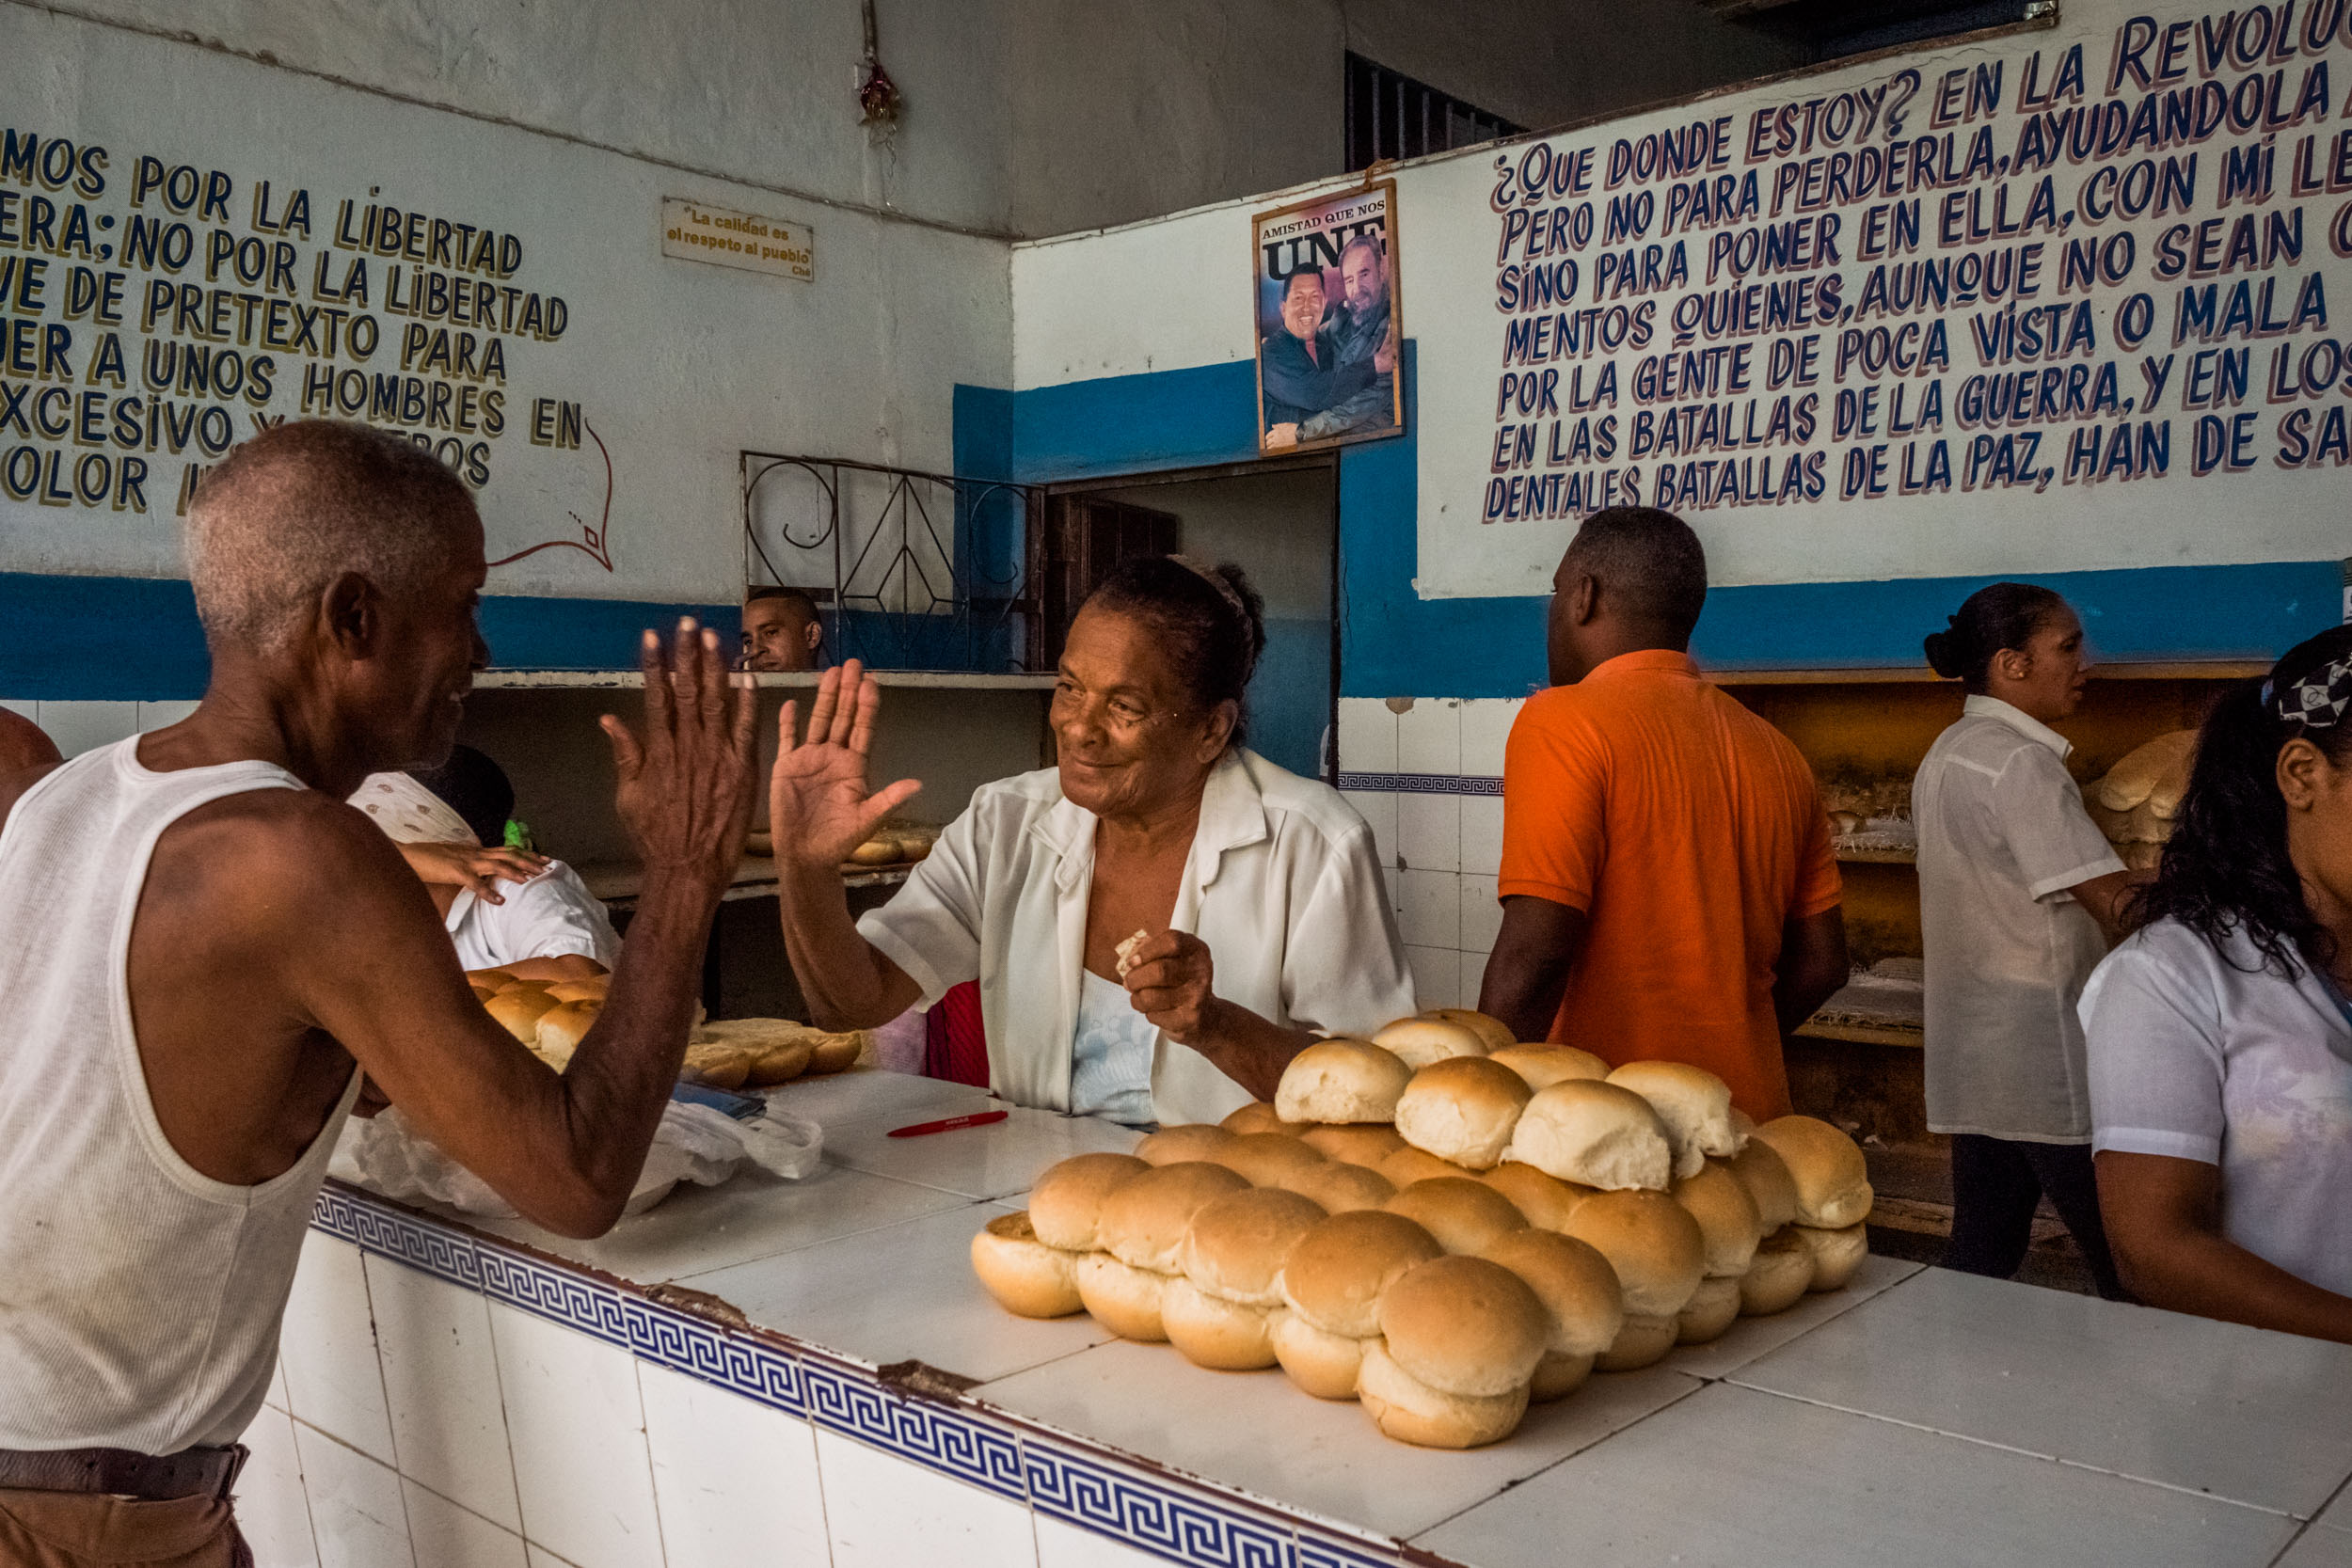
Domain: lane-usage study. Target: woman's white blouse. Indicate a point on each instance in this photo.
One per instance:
(1282, 884)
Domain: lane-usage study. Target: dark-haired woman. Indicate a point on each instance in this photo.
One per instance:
(1257, 895)
(2220, 1034)
(2018, 893)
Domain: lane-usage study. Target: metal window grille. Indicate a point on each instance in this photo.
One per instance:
(909, 570)
(1392, 116)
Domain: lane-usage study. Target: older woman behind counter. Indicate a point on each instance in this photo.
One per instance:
(1258, 892)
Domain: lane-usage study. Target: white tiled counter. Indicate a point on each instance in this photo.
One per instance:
(451, 1396)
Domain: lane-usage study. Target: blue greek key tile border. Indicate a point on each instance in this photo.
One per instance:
(1421, 784)
(1170, 1518)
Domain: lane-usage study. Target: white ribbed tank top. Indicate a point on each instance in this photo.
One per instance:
(139, 1300)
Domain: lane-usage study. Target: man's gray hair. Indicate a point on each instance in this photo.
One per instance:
(301, 504)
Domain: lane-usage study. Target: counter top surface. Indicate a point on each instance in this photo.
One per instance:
(2001, 1422)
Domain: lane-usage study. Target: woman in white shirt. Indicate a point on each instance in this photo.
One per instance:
(1256, 894)
(2018, 892)
(2220, 1036)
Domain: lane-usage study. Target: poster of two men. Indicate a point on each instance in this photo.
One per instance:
(1328, 327)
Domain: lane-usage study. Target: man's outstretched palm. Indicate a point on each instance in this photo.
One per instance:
(819, 801)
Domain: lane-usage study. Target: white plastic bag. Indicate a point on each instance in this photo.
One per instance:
(694, 1143)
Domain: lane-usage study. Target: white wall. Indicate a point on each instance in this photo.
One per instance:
(677, 364)
(1076, 301)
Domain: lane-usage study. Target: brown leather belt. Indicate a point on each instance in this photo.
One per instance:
(150, 1478)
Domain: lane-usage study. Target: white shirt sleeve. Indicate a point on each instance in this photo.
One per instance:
(2041, 810)
(1344, 968)
(550, 916)
(2153, 1030)
(930, 928)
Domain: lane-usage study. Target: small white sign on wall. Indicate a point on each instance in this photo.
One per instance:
(730, 238)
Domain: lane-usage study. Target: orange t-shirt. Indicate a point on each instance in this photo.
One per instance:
(1690, 832)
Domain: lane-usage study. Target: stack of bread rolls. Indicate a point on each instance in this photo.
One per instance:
(552, 1017)
(2136, 802)
(1444, 1225)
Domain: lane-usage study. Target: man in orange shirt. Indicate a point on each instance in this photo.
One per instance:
(1668, 888)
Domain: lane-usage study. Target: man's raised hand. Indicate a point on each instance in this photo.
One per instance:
(686, 787)
(819, 804)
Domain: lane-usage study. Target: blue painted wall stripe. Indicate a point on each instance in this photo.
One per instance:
(1395, 644)
(136, 639)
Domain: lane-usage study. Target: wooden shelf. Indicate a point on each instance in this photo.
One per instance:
(617, 883)
(1877, 857)
(1860, 1034)
(2151, 669)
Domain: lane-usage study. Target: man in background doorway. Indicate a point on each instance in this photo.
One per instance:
(1668, 887)
(781, 630)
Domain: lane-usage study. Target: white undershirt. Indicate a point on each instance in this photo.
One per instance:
(1110, 1055)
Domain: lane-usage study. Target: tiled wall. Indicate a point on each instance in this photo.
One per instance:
(1427, 774)
(82, 726)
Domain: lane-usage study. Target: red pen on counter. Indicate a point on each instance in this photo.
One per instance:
(979, 1118)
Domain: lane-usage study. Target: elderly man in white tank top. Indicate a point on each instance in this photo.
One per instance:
(207, 948)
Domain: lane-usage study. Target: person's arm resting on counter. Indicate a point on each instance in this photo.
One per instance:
(355, 946)
(2163, 1219)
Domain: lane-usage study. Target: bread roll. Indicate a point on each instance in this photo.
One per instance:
(1711, 1309)
(1779, 1277)
(560, 1030)
(1410, 1165)
(1465, 1325)
(1339, 1081)
(779, 1062)
(719, 1066)
(1211, 1331)
(1259, 1117)
(1581, 1297)
(836, 1053)
(524, 983)
(1644, 1341)
(1492, 1033)
(1124, 1300)
(1338, 1188)
(519, 1012)
(1335, 1274)
(1557, 1376)
(1836, 1254)
(1596, 1135)
(496, 979)
(2140, 775)
(1409, 1410)
(1695, 1104)
(1543, 1066)
(1462, 1110)
(1651, 1242)
(1423, 1040)
(881, 849)
(1546, 1200)
(1028, 1278)
(1466, 1216)
(1194, 1140)
(1066, 1203)
(1143, 1219)
(1832, 1178)
(581, 990)
(1361, 1144)
(1319, 1362)
(1262, 1159)
(483, 994)
(1728, 1219)
(1236, 1244)
(1765, 1175)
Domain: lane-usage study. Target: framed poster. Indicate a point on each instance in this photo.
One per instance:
(1328, 325)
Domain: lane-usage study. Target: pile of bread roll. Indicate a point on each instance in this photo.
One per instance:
(2135, 804)
(1444, 1225)
(552, 1017)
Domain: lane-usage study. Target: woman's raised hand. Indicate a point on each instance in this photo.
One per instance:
(819, 804)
